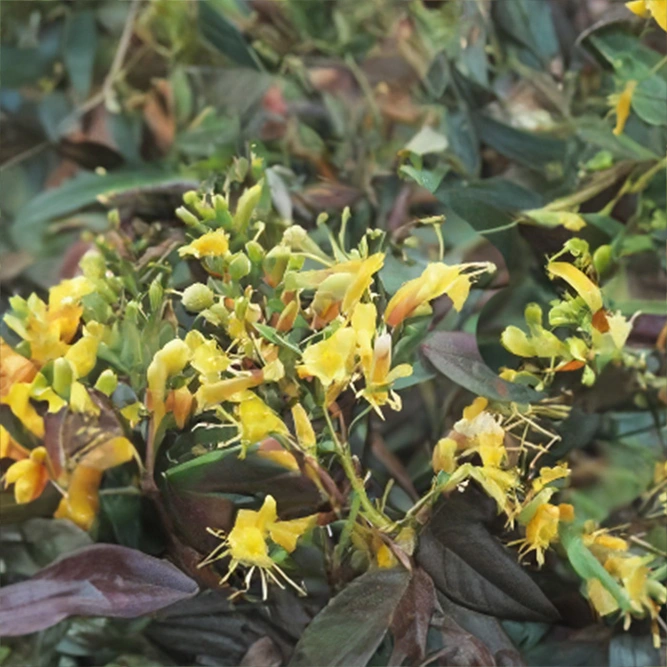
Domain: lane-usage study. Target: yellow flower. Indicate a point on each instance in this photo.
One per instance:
(14, 368)
(444, 456)
(305, 433)
(655, 8)
(548, 475)
(258, 421)
(167, 362)
(29, 476)
(247, 543)
(9, 448)
(211, 244)
(83, 355)
(209, 395)
(482, 433)
(338, 288)
(81, 502)
(542, 529)
(622, 105)
(332, 360)
(580, 282)
(179, 403)
(18, 400)
(437, 279)
(207, 358)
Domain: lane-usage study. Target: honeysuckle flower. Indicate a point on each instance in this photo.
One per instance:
(482, 433)
(9, 448)
(437, 279)
(331, 360)
(247, 544)
(18, 400)
(444, 456)
(207, 357)
(580, 282)
(646, 8)
(14, 368)
(540, 342)
(166, 363)
(258, 420)
(305, 434)
(179, 403)
(338, 288)
(375, 355)
(542, 529)
(211, 244)
(622, 103)
(29, 476)
(81, 500)
(548, 475)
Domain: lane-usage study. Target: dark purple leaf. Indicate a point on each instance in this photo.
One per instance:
(455, 354)
(100, 580)
(351, 627)
(410, 624)
(470, 566)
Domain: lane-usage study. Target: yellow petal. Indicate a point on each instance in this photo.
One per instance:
(623, 106)
(444, 456)
(18, 399)
(109, 454)
(658, 9)
(211, 244)
(639, 7)
(581, 283)
(287, 533)
(475, 408)
(83, 355)
(258, 420)
(81, 503)
(332, 359)
(305, 433)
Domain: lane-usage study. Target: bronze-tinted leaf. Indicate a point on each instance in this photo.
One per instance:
(100, 580)
(470, 566)
(350, 628)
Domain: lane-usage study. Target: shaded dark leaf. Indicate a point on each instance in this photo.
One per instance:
(100, 580)
(455, 355)
(410, 624)
(461, 649)
(351, 627)
(470, 566)
(90, 154)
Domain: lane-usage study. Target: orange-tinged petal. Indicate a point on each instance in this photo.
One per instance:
(580, 282)
(179, 403)
(81, 503)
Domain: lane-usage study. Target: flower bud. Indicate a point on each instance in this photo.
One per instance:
(156, 295)
(197, 297)
(107, 382)
(239, 267)
(93, 265)
(255, 251)
(187, 217)
(246, 207)
(602, 259)
(274, 265)
(63, 376)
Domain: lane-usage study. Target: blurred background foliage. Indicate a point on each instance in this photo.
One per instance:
(476, 110)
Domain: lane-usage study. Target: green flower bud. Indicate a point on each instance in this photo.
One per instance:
(255, 251)
(246, 207)
(156, 295)
(602, 259)
(275, 263)
(197, 297)
(239, 267)
(63, 376)
(93, 265)
(533, 314)
(107, 382)
(187, 217)
(132, 312)
(191, 198)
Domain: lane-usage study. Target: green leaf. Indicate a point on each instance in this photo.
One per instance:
(350, 628)
(79, 50)
(274, 337)
(225, 37)
(587, 566)
(455, 355)
(427, 178)
(82, 190)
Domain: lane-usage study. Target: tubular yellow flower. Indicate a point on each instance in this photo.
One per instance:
(211, 244)
(18, 400)
(167, 362)
(179, 403)
(81, 503)
(29, 476)
(331, 360)
(9, 448)
(623, 104)
(541, 531)
(258, 421)
(305, 434)
(437, 279)
(444, 456)
(580, 282)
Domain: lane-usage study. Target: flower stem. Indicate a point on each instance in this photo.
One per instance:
(377, 518)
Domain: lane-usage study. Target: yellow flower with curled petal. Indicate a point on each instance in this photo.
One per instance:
(444, 456)
(207, 357)
(437, 279)
(258, 420)
(29, 476)
(211, 244)
(580, 282)
(247, 543)
(332, 360)
(542, 529)
(166, 363)
(548, 475)
(81, 503)
(655, 8)
(482, 433)
(18, 400)
(305, 434)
